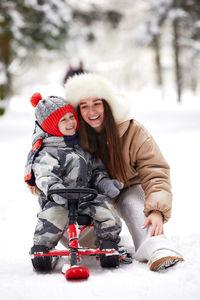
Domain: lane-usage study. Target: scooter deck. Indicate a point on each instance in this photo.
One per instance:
(79, 252)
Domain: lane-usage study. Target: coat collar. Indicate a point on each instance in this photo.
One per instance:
(122, 128)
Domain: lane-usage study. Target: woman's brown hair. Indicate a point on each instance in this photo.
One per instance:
(105, 145)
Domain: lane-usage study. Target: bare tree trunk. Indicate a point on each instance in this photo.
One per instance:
(156, 46)
(176, 48)
(5, 54)
(194, 75)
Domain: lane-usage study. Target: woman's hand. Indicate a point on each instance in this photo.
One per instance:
(156, 220)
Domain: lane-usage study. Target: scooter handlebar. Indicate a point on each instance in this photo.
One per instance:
(83, 194)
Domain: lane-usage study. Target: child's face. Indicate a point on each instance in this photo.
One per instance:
(67, 124)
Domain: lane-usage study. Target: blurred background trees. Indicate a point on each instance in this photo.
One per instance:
(139, 44)
(181, 20)
(25, 27)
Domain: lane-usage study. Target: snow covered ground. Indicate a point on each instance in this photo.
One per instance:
(177, 131)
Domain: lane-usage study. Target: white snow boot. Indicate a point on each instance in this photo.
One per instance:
(163, 258)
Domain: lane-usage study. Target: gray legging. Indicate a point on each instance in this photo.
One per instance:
(130, 207)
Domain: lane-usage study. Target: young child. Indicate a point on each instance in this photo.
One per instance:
(57, 161)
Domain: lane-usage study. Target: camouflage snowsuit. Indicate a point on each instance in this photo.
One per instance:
(56, 166)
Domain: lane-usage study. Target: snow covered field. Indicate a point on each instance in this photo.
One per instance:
(177, 132)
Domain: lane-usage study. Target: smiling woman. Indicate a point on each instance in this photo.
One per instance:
(131, 155)
(97, 130)
(92, 111)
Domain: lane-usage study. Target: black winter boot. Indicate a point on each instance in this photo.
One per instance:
(109, 260)
(41, 264)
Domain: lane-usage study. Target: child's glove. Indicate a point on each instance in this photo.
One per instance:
(58, 199)
(110, 187)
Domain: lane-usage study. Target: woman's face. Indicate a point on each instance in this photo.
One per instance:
(92, 111)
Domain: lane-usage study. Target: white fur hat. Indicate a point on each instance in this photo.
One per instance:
(92, 85)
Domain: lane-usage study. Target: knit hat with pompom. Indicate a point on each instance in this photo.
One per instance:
(49, 111)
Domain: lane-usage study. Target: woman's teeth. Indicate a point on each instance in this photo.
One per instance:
(94, 118)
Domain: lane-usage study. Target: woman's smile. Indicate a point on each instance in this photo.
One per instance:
(94, 118)
(92, 111)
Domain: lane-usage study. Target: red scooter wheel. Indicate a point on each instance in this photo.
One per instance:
(77, 272)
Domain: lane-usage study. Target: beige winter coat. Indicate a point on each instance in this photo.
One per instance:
(146, 165)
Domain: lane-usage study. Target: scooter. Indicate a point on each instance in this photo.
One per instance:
(77, 224)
